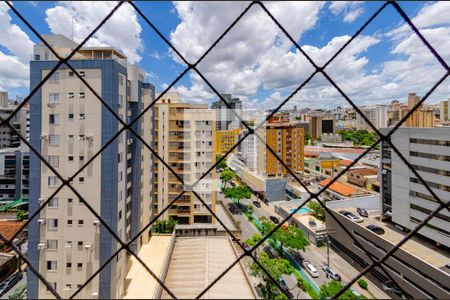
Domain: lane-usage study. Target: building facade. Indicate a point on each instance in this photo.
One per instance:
(14, 173)
(226, 139)
(319, 125)
(69, 125)
(186, 140)
(377, 115)
(420, 118)
(405, 199)
(444, 111)
(226, 117)
(20, 122)
(285, 139)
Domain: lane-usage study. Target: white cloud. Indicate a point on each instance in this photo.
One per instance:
(122, 30)
(14, 66)
(350, 10)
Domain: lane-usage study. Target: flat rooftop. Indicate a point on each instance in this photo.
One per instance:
(197, 261)
(417, 246)
(141, 284)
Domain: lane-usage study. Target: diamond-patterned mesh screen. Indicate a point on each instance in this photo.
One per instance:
(193, 67)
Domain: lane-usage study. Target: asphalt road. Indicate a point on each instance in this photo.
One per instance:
(11, 291)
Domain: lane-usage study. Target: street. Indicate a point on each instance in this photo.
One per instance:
(315, 255)
(22, 281)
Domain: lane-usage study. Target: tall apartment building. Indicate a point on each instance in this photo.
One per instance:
(420, 118)
(226, 118)
(226, 139)
(319, 125)
(69, 125)
(287, 140)
(14, 173)
(186, 139)
(405, 199)
(377, 115)
(444, 110)
(248, 149)
(20, 122)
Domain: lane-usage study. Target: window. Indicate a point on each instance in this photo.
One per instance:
(81, 222)
(52, 223)
(81, 179)
(69, 200)
(120, 214)
(81, 158)
(53, 160)
(82, 95)
(54, 78)
(82, 116)
(69, 222)
(53, 98)
(121, 80)
(53, 203)
(70, 158)
(67, 287)
(69, 265)
(52, 244)
(120, 100)
(71, 117)
(79, 266)
(71, 95)
(53, 140)
(53, 181)
(71, 74)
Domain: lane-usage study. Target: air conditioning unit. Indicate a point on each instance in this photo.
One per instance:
(94, 294)
(96, 223)
(41, 221)
(89, 137)
(43, 137)
(41, 246)
(130, 141)
(88, 246)
(81, 117)
(51, 104)
(68, 245)
(83, 138)
(41, 199)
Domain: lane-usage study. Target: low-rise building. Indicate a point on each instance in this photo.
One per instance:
(416, 268)
(341, 191)
(362, 177)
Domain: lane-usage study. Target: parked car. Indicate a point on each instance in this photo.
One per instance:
(257, 204)
(378, 230)
(274, 219)
(12, 280)
(354, 218)
(344, 212)
(310, 269)
(355, 292)
(362, 212)
(330, 273)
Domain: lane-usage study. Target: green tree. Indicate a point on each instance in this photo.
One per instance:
(238, 192)
(21, 215)
(253, 240)
(317, 209)
(275, 267)
(363, 284)
(165, 226)
(222, 164)
(328, 290)
(227, 175)
(307, 138)
(291, 237)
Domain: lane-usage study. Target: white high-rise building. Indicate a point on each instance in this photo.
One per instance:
(377, 115)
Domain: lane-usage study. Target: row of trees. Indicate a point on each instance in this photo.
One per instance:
(358, 137)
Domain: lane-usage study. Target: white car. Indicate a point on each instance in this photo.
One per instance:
(311, 269)
(355, 218)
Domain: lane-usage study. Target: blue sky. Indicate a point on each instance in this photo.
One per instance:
(255, 61)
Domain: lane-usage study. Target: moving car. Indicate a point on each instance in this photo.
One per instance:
(310, 269)
(362, 212)
(257, 204)
(378, 230)
(274, 219)
(330, 273)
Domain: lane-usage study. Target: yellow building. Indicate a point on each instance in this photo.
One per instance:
(285, 139)
(226, 139)
(420, 118)
(185, 137)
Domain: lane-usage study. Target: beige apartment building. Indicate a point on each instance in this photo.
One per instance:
(69, 125)
(421, 117)
(185, 137)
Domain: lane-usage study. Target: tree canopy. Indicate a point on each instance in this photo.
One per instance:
(290, 237)
(318, 210)
(227, 175)
(328, 290)
(222, 164)
(238, 192)
(359, 137)
(253, 240)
